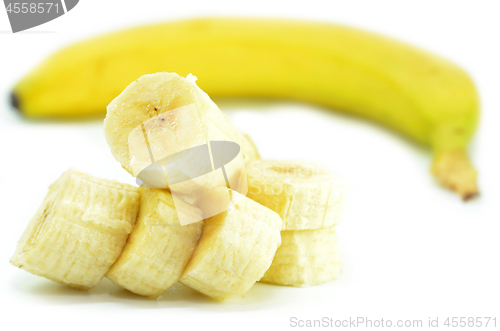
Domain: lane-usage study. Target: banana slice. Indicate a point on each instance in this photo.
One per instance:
(79, 231)
(305, 258)
(158, 248)
(235, 250)
(161, 114)
(305, 195)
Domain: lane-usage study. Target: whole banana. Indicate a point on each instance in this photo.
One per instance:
(417, 93)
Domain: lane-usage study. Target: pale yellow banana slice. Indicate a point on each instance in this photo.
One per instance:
(235, 250)
(158, 248)
(79, 231)
(161, 114)
(305, 195)
(305, 258)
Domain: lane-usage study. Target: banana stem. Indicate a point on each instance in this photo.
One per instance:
(454, 170)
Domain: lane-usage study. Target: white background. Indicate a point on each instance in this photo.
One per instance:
(411, 249)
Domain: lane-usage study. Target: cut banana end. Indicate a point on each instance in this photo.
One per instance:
(235, 250)
(305, 195)
(158, 248)
(305, 258)
(162, 114)
(79, 231)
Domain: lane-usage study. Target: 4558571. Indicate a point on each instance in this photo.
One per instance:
(462, 322)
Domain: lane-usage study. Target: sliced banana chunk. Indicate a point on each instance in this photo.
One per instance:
(158, 248)
(79, 230)
(161, 114)
(305, 258)
(235, 250)
(305, 195)
(167, 133)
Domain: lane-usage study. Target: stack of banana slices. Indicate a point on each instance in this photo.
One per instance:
(271, 221)
(308, 199)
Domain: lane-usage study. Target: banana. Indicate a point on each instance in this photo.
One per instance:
(410, 90)
(305, 258)
(158, 248)
(234, 251)
(79, 230)
(305, 195)
(162, 114)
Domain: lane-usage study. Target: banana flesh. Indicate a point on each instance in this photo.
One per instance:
(305, 195)
(167, 132)
(236, 246)
(410, 90)
(235, 250)
(162, 114)
(157, 250)
(79, 230)
(83, 224)
(305, 258)
(309, 199)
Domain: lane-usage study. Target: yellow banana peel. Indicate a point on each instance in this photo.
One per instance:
(415, 92)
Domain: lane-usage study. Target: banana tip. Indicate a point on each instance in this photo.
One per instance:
(470, 195)
(471, 192)
(14, 100)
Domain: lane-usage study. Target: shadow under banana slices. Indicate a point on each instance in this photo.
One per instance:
(48, 292)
